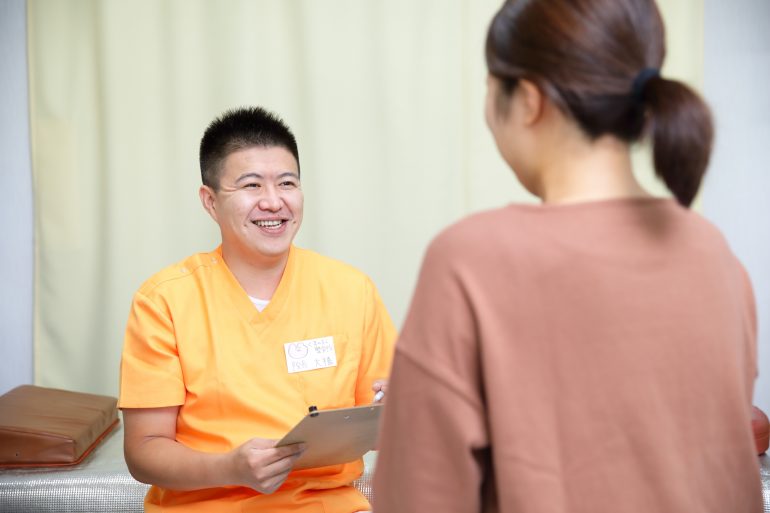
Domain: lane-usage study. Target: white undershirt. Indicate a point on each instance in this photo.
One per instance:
(259, 303)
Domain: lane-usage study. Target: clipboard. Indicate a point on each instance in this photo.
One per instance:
(335, 436)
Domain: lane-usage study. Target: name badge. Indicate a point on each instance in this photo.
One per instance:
(305, 355)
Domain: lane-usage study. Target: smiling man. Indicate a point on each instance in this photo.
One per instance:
(217, 361)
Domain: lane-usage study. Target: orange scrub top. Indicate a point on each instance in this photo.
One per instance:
(195, 340)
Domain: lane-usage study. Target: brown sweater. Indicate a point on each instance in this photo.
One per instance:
(595, 357)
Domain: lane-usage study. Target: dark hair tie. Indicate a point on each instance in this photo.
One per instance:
(640, 82)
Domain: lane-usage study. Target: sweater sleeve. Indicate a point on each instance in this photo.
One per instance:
(434, 442)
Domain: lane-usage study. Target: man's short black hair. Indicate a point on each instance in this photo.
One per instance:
(238, 129)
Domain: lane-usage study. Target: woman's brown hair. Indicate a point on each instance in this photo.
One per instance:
(598, 61)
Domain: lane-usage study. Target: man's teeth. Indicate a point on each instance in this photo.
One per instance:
(268, 224)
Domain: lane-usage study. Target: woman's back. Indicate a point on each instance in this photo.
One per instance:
(591, 357)
(595, 353)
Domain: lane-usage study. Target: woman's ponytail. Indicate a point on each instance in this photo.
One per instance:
(682, 134)
(599, 61)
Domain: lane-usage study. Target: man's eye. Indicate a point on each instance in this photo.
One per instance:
(251, 185)
(288, 184)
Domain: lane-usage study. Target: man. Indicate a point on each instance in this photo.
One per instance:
(209, 375)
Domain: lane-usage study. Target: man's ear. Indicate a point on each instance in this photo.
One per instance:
(532, 100)
(208, 200)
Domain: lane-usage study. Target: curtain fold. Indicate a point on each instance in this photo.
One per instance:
(385, 97)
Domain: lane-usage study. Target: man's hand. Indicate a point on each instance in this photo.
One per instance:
(260, 465)
(380, 387)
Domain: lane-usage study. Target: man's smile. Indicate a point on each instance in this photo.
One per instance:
(269, 223)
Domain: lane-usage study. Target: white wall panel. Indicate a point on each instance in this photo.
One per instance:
(16, 228)
(736, 194)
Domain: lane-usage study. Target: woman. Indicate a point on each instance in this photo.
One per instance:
(596, 352)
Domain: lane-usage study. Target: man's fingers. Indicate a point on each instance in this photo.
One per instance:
(289, 451)
(380, 387)
(263, 466)
(276, 460)
(275, 482)
(273, 474)
(267, 450)
(380, 384)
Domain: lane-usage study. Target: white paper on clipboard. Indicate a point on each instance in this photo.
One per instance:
(335, 436)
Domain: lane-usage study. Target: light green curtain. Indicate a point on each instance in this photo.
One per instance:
(385, 97)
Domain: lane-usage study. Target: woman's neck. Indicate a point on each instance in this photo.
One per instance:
(583, 170)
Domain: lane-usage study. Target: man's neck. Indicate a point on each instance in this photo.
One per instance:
(259, 277)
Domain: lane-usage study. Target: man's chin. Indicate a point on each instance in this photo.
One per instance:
(271, 252)
(256, 253)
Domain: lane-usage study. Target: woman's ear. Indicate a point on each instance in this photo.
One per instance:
(531, 101)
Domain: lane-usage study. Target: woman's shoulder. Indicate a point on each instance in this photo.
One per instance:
(479, 233)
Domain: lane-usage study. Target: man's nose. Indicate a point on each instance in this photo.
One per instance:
(270, 200)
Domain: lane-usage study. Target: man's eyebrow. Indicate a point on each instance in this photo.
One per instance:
(248, 175)
(258, 176)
